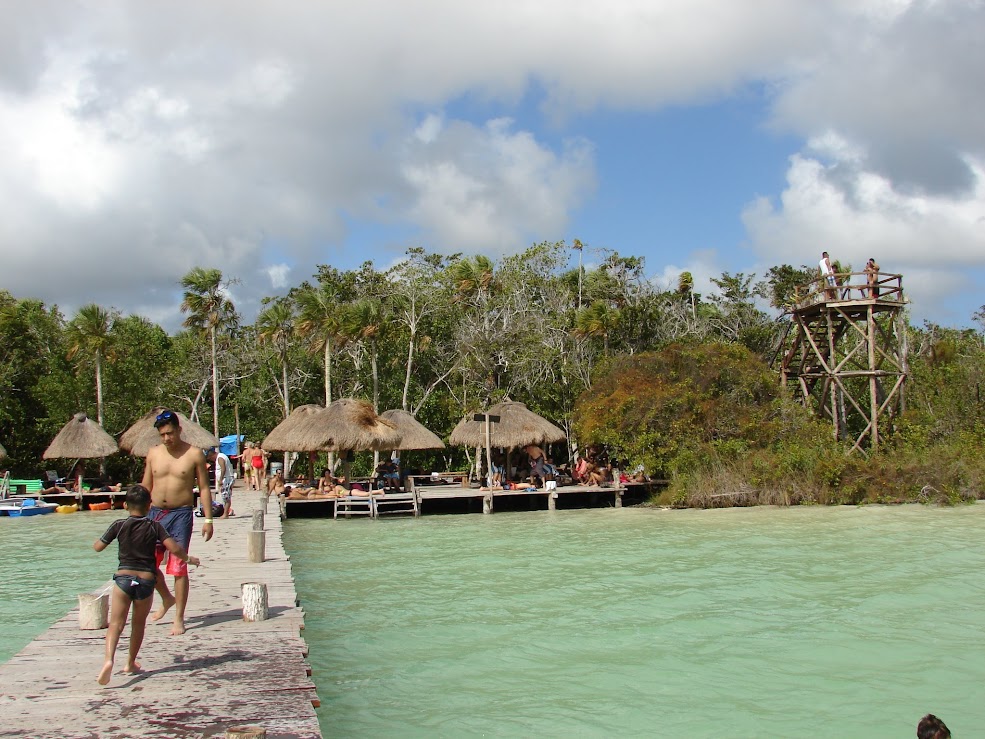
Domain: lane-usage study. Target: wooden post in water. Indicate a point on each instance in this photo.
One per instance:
(552, 500)
(93, 611)
(258, 520)
(487, 503)
(256, 543)
(255, 601)
(246, 732)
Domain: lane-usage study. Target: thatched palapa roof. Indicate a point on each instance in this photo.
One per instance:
(345, 425)
(139, 438)
(81, 437)
(518, 426)
(297, 432)
(415, 435)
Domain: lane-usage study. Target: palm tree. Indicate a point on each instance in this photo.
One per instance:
(363, 321)
(89, 333)
(473, 277)
(276, 326)
(208, 309)
(320, 320)
(598, 319)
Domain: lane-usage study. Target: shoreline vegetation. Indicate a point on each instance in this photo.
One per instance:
(662, 377)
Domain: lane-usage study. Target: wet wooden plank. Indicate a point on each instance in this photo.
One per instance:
(222, 672)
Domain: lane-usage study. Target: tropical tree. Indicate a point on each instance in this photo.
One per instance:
(320, 322)
(209, 310)
(90, 334)
(275, 327)
(362, 321)
(417, 296)
(597, 320)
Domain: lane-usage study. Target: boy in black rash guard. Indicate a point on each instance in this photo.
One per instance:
(134, 578)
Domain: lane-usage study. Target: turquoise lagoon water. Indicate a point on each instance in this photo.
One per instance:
(801, 622)
(798, 622)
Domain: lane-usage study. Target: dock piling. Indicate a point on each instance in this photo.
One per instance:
(256, 543)
(246, 732)
(255, 601)
(258, 520)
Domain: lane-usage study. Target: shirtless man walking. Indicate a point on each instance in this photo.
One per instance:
(170, 473)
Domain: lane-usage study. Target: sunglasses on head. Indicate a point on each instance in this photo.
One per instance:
(165, 417)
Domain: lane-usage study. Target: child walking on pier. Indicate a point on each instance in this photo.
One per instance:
(134, 578)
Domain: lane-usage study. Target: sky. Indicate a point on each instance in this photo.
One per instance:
(140, 140)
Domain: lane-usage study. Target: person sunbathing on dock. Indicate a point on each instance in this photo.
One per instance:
(275, 485)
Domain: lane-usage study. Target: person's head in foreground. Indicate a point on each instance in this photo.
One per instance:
(931, 727)
(138, 499)
(169, 427)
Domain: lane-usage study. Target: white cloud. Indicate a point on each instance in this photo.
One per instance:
(143, 139)
(278, 274)
(492, 188)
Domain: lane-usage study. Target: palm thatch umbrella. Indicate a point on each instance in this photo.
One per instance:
(352, 425)
(415, 435)
(297, 432)
(139, 438)
(345, 425)
(81, 438)
(517, 426)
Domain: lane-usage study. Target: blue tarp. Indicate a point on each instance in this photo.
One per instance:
(227, 445)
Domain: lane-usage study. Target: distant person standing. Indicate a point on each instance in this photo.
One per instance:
(259, 464)
(872, 277)
(828, 275)
(225, 476)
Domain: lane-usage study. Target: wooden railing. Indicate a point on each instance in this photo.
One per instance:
(850, 286)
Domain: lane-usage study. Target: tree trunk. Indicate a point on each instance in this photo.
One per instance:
(376, 391)
(215, 386)
(287, 395)
(410, 367)
(328, 372)
(99, 406)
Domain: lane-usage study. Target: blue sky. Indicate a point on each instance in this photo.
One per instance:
(706, 135)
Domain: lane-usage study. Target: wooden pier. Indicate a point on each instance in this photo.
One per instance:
(462, 498)
(223, 673)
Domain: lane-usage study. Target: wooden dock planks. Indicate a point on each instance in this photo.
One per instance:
(223, 672)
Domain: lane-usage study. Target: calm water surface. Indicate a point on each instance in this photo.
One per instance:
(795, 622)
(45, 562)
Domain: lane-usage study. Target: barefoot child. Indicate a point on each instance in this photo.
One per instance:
(134, 578)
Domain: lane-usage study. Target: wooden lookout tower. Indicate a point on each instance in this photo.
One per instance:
(845, 353)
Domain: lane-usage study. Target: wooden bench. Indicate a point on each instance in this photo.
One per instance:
(440, 478)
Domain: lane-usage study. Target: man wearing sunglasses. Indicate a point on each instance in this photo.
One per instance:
(170, 473)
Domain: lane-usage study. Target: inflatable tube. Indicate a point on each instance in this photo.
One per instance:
(100, 506)
(67, 508)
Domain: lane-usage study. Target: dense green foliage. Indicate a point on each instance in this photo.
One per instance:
(663, 377)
